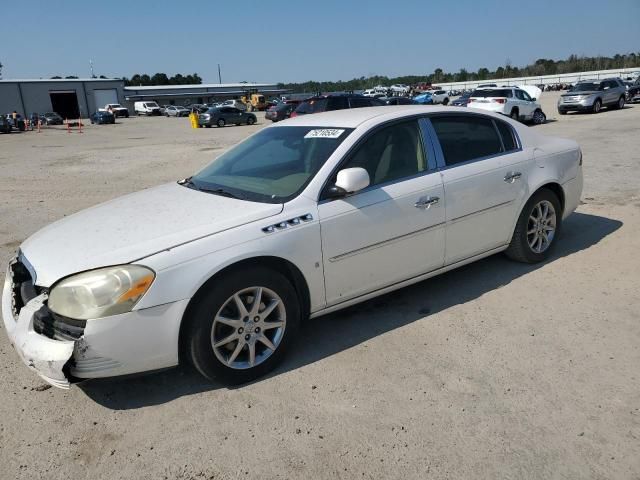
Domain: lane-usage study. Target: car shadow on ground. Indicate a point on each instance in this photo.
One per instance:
(330, 334)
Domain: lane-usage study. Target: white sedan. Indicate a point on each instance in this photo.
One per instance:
(305, 217)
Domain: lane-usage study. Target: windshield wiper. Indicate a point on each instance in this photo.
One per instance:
(220, 191)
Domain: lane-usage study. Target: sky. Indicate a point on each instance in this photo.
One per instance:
(295, 41)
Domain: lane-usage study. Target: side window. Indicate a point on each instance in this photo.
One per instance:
(508, 139)
(337, 103)
(526, 96)
(520, 95)
(464, 138)
(391, 153)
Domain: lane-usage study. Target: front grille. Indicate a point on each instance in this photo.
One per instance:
(52, 325)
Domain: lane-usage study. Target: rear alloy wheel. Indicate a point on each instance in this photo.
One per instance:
(445, 102)
(221, 122)
(537, 228)
(514, 114)
(620, 104)
(251, 121)
(539, 117)
(242, 328)
(597, 105)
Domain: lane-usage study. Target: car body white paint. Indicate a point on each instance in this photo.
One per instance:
(350, 249)
(526, 108)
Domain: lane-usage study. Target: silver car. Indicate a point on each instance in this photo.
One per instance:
(176, 111)
(221, 116)
(592, 95)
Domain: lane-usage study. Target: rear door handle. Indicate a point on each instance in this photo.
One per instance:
(426, 202)
(512, 177)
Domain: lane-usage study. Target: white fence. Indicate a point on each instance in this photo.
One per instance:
(544, 79)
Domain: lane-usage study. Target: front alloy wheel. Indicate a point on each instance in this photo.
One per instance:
(539, 117)
(241, 324)
(248, 328)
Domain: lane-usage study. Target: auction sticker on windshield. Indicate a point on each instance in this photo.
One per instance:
(324, 133)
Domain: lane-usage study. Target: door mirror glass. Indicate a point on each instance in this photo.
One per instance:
(352, 180)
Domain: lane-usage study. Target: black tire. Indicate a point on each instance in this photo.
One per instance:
(221, 122)
(251, 121)
(562, 112)
(198, 332)
(207, 126)
(519, 249)
(445, 102)
(620, 104)
(515, 115)
(539, 117)
(597, 106)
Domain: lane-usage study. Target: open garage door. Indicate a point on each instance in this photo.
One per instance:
(65, 103)
(105, 96)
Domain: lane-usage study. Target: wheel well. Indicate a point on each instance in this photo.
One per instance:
(282, 266)
(515, 109)
(555, 188)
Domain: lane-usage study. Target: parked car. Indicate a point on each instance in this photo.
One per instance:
(117, 110)
(303, 218)
(51, 118)
(16, 124)
(280, 112)
(440, 96)
(146, 108)
(398, 101)
(102, 117)
(633, 93)
(462, 100)
(592, 95)
(325, 103)
(176, 111)
(399, 89)
(424, 98)
(221, 116)
(238, 104)
(5, 126)
(514, 102)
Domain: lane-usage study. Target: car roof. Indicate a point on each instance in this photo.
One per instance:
(353, 117)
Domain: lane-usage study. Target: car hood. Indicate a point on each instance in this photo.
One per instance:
(133, 227)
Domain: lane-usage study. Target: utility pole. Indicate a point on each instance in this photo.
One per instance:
(91, 68)
(219, 75)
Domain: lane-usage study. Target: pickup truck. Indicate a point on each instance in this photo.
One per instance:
(117, 109)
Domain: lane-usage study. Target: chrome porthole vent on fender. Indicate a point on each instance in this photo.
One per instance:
(292, 222)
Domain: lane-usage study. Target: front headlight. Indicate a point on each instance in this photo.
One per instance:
(100, 293)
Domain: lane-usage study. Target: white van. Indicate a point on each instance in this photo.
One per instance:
(147, 108)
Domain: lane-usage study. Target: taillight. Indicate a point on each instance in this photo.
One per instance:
(293, 114)
(499, 100)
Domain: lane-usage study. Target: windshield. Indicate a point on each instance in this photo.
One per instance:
(586, 87)
(492, 93)
(273, 165)
(115, 105)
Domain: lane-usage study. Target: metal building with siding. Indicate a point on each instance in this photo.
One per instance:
(71, 98)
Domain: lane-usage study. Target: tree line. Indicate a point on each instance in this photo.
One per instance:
(155, 79)
(542, 66)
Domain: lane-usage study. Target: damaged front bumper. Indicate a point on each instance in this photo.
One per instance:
(46, 356)
(61, 351)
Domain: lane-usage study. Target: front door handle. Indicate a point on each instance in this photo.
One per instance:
(426, 202)
(512, 177)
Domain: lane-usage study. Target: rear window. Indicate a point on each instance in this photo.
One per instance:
(465, 138)
(314, 105)
(492, 93)
(508, 139)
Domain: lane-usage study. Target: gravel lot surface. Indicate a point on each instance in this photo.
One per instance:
(495, 371)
